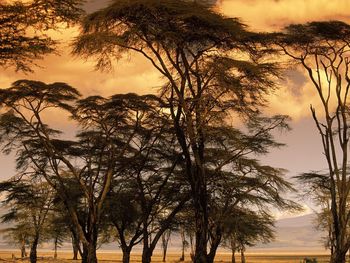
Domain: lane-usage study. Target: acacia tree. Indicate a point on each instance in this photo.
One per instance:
(146, 190)
(318, 190)
(108, 126)
(134, 202)
(19, 47)
(322, 49)
(247, 228)
(207, 61)
(18, 236)
(29, 203)
(59, 227)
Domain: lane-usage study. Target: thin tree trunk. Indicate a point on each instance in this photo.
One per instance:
(23, 249)
(56, 245)
(233, 249)
(75, 245)
(165, 242)
(242, 255)
(183, 239)
(192, 246)
(233, 257)
(75, 252)
(33, 250)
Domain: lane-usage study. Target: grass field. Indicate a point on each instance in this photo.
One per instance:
(8, 256)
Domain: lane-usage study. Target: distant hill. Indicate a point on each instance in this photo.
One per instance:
(296, 234)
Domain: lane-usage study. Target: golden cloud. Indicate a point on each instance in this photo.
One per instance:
(270, 15)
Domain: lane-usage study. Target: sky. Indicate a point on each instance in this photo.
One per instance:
(133, 74)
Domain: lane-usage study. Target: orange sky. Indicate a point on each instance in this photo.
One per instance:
(134, 74)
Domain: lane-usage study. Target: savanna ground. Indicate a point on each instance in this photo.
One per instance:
(7, 256)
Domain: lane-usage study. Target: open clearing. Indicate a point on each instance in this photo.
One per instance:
(7, 256)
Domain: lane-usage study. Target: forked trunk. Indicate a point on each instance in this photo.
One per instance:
(215, 242)
(165, 242)
(76, 247)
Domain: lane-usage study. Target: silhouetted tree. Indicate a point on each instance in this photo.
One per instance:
(247, 228)
(318, 190)
(22, 27)
(322, 49)
(209, 61)
(29, 205)
(108, 126)
(18, 235)
(237, 180)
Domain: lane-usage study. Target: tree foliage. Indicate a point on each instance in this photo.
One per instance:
(23, 29)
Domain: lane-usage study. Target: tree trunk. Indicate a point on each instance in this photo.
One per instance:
(126, 254)
(75, 246)
(56, 245)
(233, 258)
(89, 253)
(192, 246)
(165, 248)
(33, 248)
(146, 254)
(242, 256)
(233, 249)
(339, 257)
(183, 239)
(165, 242)
(215, 242)
(75, 253)
(201, 218)
(23, 249)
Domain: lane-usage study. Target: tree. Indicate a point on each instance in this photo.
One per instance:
(318, 190)
(210, 64)
(236, 180)
(165, 242)
(321, 48)
(18, 236)
(247, 228)
(59, 227)
(30, 204)
(146, 198)
(18, 47)
(108, 126)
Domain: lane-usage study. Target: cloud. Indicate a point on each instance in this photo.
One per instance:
(136, 74)
(272, 15)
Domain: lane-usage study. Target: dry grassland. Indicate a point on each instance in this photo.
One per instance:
(47, 257)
